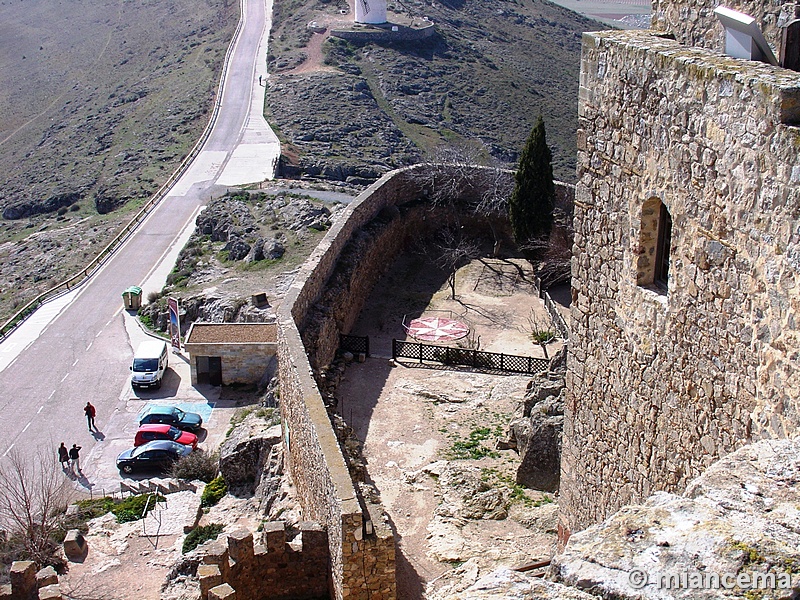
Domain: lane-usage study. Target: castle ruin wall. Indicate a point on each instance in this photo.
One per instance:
(693, 22)
(660, 385)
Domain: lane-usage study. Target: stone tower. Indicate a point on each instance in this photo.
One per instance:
(686, 270)
(370, 11)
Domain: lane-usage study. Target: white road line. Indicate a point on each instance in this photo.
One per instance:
(24, 429)
(64, 377)
(89, 346)
(76, 362)
(99, 333)
(9, 450)
(52, 393)
(40, 409)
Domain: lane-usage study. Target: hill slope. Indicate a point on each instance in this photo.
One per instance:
(482, 79)
(99, 102)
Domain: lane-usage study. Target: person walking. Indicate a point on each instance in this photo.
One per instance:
(75, 459)
(63, 456)
(90, 413)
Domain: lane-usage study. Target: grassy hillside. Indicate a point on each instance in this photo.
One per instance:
(483, 79)
(99, 102)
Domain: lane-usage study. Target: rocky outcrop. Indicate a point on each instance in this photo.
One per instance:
(740, 519)
(536, 429)
(505, 584)
(245, 454)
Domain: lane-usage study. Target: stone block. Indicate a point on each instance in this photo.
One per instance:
(210, 577)
(5, 592)
(216, 553)
(75, 546)
(222, 592)
(50, 592)
(240, 545)
(46, 576)
(23, 579)
(273, 536)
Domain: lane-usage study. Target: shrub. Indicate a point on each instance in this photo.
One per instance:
(62, 211)
(198, 465)
(199, 535)
(75, 207)
(153, 296)
(132, 508)
(213, 492)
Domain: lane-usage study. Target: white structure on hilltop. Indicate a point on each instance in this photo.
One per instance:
(370, 11)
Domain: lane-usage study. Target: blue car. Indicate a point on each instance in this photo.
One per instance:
(171, 415)
(159, 455)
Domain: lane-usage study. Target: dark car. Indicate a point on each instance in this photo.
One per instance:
(171, 415)
(148, 433)
(152, 456)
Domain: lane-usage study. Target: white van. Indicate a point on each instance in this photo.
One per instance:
(149, 364)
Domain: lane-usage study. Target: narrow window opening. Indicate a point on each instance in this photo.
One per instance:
(661, 277)
(655, 243)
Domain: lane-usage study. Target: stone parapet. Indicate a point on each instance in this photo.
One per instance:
(274, 570)
(663, 382)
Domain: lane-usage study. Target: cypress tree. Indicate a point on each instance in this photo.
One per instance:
(530, 208)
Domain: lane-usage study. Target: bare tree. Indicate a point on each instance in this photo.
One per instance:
(34, 494)
(555, 255)
(453, 250)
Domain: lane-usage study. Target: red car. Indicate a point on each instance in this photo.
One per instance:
(149, 433)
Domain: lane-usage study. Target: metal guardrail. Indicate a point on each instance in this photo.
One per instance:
(91, 268)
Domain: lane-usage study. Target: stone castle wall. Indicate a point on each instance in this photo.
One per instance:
(661, 385)
(693, 22)
(271, 570)
(324, 301)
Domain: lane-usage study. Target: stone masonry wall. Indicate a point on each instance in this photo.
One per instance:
(361, 545)
(241, 363)
(271, 570)
(693, 22)
(661, 385)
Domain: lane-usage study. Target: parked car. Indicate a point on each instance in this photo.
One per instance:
(159, 431)
(171, 415)
(152, 456)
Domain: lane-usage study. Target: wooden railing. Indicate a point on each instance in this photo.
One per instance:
(91, 268)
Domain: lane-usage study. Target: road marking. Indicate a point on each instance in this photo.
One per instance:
(64, 377)
(40, 409)
(99, 333)
(24, 429)
(9, 450)
(89, 346)
(52, 393)
(75, 363)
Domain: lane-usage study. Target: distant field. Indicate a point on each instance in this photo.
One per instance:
(617, 13)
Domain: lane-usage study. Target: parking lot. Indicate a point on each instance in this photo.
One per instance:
(100, 474)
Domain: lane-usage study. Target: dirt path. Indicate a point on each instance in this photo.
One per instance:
(429, 435)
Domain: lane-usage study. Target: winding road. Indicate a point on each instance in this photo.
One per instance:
(79, 347)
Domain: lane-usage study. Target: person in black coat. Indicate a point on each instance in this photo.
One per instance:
(74, 458)
(63, 456)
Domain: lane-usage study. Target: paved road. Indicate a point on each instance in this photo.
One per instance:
(79, 347)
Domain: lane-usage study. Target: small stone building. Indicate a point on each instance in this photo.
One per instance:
(226, 353)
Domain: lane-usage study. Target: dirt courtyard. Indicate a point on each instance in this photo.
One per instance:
(429, 434)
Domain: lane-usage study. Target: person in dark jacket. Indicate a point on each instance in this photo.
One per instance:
(90, 413)
(63, 456)
(74, 458)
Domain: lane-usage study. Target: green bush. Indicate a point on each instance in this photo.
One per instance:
(199, 535)
(198, 465)
(91, 509)
(132, 507)
(213, 492)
